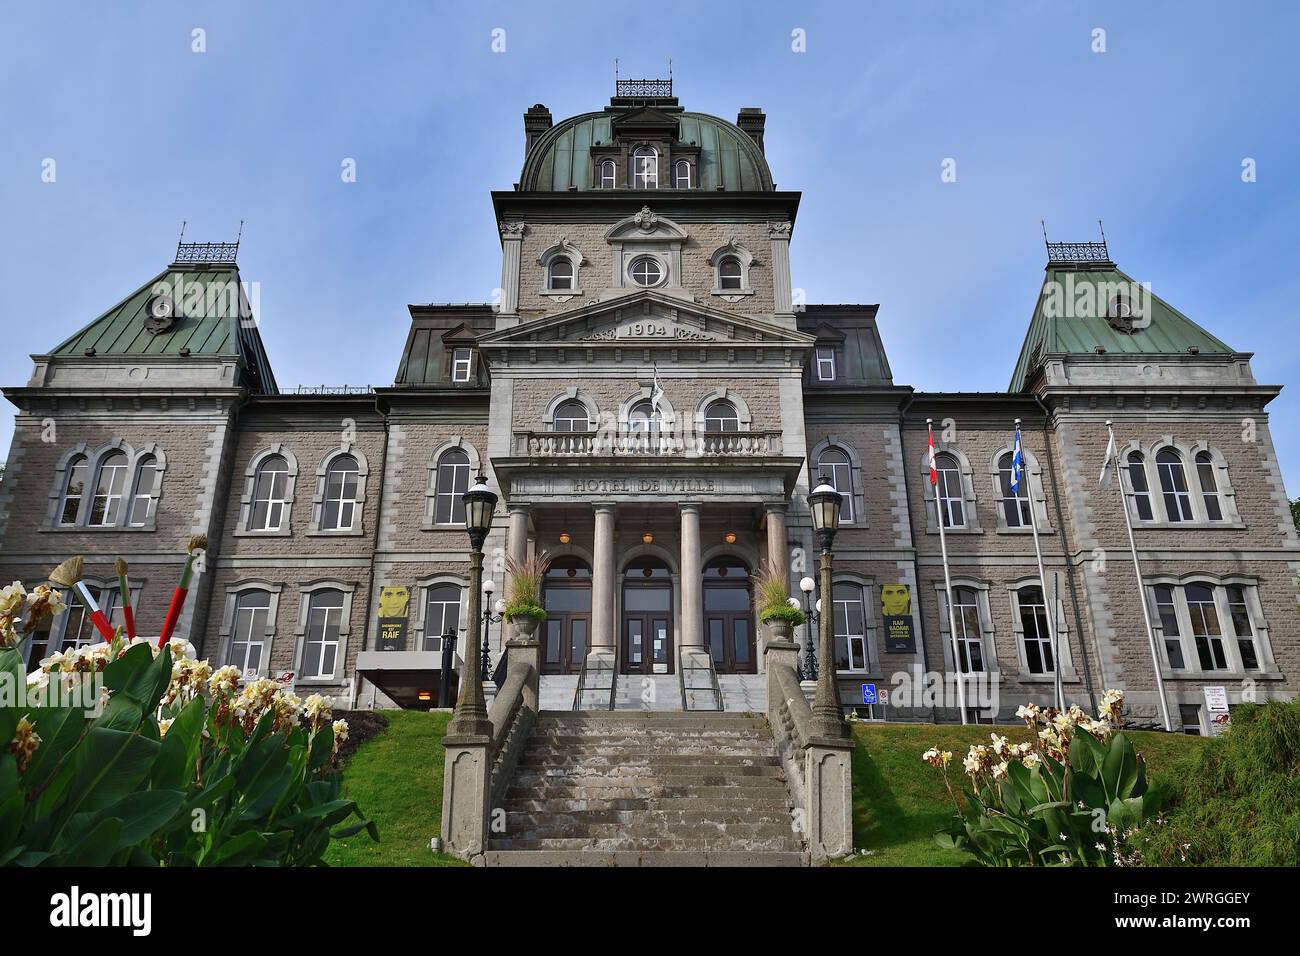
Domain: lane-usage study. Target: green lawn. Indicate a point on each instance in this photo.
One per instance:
(396, 780)
(899, 801)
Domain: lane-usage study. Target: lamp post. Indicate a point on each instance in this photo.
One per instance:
(824, 503)
(807, 664)
(470, 716)
(485, 653)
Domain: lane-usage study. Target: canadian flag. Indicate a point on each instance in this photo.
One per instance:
(934, 469)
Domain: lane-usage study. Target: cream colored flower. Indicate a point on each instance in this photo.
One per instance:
(24, 743)
(12, 598)
(164, 725)
(340, 731)
(1030, 760)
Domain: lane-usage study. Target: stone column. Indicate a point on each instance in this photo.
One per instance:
(603, 577)
(692, 578)
(512, 237)
(516, 550)
(778, 548)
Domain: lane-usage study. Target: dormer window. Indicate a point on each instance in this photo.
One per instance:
(607, 174)
(682, 174)
(825, 365)
(462, 361)
(730, 273)
(645, 168)
(560, 274)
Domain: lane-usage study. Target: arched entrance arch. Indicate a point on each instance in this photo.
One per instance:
(728, 615)
(646, 627)
(567, 629)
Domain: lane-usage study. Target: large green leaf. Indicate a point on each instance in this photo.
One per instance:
(239, 849)
(97, 847)
(1119, 769)
(109, 764)
(144, 813)
(180, 748)
(60, 729)
(139, 675)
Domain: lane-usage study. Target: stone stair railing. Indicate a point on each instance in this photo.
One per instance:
(477, 770)
(819, 769)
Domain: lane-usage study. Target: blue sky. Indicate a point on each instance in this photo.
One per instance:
(1149, 136)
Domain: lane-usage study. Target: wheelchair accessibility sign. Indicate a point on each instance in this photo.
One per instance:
(871, 696)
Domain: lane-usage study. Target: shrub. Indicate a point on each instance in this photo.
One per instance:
(177, 766)
(1238, 797)
(1072, 796)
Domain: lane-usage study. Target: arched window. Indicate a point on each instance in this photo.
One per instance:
(645, 168)
(642, 418)
(320, 648)
(1137, 479)
(834, 464)
(560, 274)
(452, 482)
(682, 174)
(1015, 505)
(571, 416)
(441, 614)
(952, 505)
(145, 496)
(607, 173)
(1168, 614)
(247, 649)
(850, 627)
(1241, 627)
(1034, 632)
(721, 416)
(74, 489)
(646, 271)
(1173, 485)
(970, 642)
(269, 486)
(729, 273)
(110, 485)
(338, 509)
(1209, 486)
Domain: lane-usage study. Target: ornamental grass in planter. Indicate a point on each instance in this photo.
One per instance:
(772, 602)
(524, 608)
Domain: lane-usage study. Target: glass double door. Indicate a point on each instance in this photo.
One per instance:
(728, 628)
(567, 629)
(647, 629)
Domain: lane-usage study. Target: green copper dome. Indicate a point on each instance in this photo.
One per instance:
(728, 157)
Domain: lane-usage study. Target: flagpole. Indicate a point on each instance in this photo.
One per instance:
(1142, 592)
(1049, 600)
(947, 582)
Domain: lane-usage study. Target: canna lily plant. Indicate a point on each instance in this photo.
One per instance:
(175, 764)
(1072, 795)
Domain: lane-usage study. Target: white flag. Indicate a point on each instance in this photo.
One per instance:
(1111, 453)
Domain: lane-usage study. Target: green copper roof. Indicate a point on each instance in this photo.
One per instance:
(728, 156)
(209, 301)
(1081, 328)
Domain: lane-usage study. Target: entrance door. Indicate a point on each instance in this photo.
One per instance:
(728, 619)
(647, 625)
(568, 616)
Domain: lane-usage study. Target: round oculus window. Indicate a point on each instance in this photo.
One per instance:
(646, 271)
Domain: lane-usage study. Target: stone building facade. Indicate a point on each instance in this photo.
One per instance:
(652, 404)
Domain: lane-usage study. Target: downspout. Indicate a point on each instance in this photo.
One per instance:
(911, 534)
(1065, 553)
(374, 548)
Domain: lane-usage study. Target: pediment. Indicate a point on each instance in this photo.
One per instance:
(644, 119)
(647, 319)
(644, 226)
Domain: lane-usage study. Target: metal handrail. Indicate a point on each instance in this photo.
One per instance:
(582, 686)
(715, 685)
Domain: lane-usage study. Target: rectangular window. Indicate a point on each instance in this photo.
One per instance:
(1190, 716)
(850, 628)
(952, 507)
(106, 505)
(324, 625)
(248, 632)
(143, 501)
(970, 632)
(1206, 631)
(825, 365)
(76, 489)
(1168, 615)
(1241, 627)
(1034, 632)
(461, 362)
(441, 614)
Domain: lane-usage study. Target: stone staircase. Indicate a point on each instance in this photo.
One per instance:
(644, 789)
(743, 692)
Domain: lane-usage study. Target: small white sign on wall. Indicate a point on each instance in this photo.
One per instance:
(1216, 700)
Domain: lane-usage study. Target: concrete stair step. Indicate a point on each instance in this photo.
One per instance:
(635, 822)
(647, 776)
(649, 767)
(746, 801)
(645, 758)
(656, 858)
(768, 844)
(639, 790)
